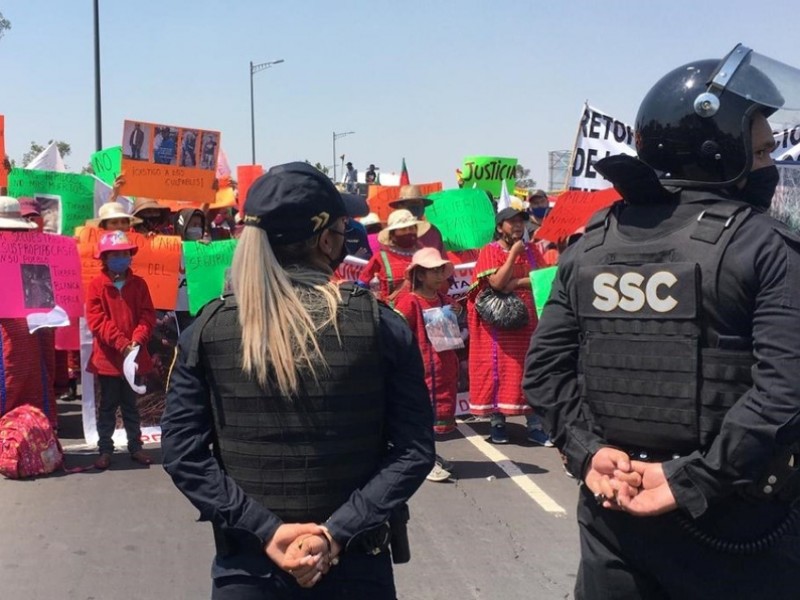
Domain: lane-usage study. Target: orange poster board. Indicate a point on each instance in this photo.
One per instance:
(379, 196)
(157, 261)
(171, 162)
(3, 172)
(246, 175)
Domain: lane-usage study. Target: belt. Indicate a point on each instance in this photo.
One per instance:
(371, 541)
(651, 456)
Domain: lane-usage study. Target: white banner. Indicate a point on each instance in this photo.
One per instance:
(787, 144)
(599, 135)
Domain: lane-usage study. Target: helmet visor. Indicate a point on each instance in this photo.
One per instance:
(762, 80)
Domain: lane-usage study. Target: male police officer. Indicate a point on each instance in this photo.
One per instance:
(314, 400)
(667, 360)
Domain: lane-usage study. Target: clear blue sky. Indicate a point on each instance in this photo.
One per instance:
(430, 81)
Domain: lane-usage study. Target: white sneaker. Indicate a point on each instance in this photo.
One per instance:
(438, 474)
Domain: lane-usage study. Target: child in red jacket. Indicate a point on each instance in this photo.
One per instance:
(121, 317)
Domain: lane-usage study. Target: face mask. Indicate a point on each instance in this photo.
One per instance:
(119, 264)
(539, 211)
(405, 241)
(760, 187)
(194, 233)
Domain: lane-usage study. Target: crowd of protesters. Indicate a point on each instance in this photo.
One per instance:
(407, 268)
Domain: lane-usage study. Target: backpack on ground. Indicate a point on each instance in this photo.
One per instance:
(28, 444)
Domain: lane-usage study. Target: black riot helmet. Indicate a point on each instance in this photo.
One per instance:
(693, 127)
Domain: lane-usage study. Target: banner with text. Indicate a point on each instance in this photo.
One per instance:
(599, 136)
(488, 172)
(66, 199)
(207, 267)
(39, 271)
(157, 261)
(787, 144)
(170, 162)
(464, 216)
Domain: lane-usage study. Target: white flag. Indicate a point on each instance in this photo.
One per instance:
(504, 201)
(48, 159)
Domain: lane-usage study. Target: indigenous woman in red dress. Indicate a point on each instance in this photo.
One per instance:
(496, 355)
(423, 307)
(398, 242)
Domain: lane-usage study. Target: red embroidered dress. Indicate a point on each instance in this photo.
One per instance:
(496, 356)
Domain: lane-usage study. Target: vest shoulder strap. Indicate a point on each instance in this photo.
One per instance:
(717, 218)
(597, 227)
(208, 311)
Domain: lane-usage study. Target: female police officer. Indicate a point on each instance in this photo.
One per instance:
(297, 418)
(672, 336)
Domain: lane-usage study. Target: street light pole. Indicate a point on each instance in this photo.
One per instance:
(336, 136)
(253, 70)
(98, 119)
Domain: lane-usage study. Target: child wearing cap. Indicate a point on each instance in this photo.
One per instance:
(121, 317)
(426, 274)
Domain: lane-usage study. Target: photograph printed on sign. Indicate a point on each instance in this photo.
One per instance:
(37, 286)
(189, 147)
(209, 146)
(50, 209)
(165, 145)
(136, 141)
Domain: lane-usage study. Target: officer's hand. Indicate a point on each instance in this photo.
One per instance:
(285, 536)
(600, 479)
(655, 498)
(311, 552)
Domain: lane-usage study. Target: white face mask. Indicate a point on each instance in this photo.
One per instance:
(194, 233)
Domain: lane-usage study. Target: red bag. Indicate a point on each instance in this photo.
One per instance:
(28, 444)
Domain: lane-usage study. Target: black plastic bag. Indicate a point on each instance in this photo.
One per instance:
(501, 310)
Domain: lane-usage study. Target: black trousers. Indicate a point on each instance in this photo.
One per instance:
(116, 393)
(629, 558)
(356, 577)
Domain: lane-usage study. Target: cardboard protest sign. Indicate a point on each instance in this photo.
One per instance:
(66, 199)
(107, 164)
(207, 266)
(465, 217)
(350, 269)
(157, 261)
(542, 283)
(463, 276)
(245, 176)
(39, 272)
(488, 172)
(3, 172)
(599, 135)
(170, 162)
(379, 197)
(572, 211)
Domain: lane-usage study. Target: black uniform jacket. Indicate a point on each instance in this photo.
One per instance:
(759, 288)
(187, 427)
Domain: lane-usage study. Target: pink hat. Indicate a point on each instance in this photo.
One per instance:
(115, 240)
(429, 258)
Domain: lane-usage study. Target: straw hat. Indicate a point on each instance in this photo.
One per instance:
(400, 219)
(141, 204)
(112, 210)
(11, 215)
(429, 258)
(410, 194)
(370, 219)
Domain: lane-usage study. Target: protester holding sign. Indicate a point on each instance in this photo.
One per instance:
(432, 316)
(497, 347)
(154, 217)
(121, 317)
(112, 217)
(27, 360)
(398, 242)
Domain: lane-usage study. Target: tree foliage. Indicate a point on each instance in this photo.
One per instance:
(63, 147)
(5, 25)
(524, 178)
(319, 167)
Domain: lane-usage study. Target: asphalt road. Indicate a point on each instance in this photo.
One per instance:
(502, 529)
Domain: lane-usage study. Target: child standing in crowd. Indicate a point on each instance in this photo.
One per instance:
(424, 307)
(121, 317)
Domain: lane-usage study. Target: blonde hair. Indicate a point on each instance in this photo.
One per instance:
(281, 309)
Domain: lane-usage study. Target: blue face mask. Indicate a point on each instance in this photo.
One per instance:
(119, 264)
(540, 212)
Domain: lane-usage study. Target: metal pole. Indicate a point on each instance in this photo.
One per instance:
(334, 157)
(252, 116)
(98, 120)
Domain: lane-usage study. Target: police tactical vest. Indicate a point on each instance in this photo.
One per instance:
(301, 457)
(653, 370)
